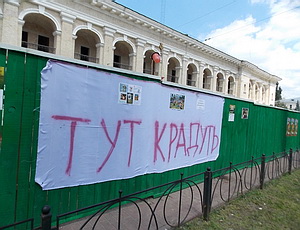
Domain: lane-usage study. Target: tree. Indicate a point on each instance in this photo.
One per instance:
(280, 104)
(297, 106)
(278, 92)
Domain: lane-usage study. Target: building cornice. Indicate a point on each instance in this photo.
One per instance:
(13, 2)
(256, 71)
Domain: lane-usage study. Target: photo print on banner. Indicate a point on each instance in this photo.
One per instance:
(130, 94)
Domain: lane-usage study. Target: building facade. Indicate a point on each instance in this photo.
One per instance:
(291, 103)
(107, 33)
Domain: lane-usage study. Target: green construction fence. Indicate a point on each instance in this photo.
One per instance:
(264, 132)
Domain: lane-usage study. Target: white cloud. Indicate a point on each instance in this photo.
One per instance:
(272, 44)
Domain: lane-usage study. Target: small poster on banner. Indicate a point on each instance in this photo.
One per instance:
(231, 113)
(177, 101)
(129, 94)
(1, 99)
(288, 126)
(137, 94)
(292, 127)
(200, 104)
(129, 98)
(245, 113)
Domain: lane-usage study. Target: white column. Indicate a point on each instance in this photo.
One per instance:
(214, 79)
(267, 95)
(99, 51)
(11, 29)
(132, 62)
(227, 75)
(57, 41)
(253, 90)
(108, 49)
(67, 46)
(164, 64)
(237, 90)
(184, 71)
(260, 92)
(140, 45)
(200, 76)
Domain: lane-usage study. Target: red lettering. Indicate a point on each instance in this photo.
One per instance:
(183, 144)
(172, 139)
(217, 141)
(195, 138)
(131, 136)
(157, 139)
(74, 121)
(203, 135)
(113, 143)
(209, 139)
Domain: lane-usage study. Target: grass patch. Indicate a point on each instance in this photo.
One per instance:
(277, 206)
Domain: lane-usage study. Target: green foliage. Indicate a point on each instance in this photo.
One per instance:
(280, 104)
(297, 106)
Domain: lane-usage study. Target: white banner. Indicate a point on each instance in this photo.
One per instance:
(97, 126)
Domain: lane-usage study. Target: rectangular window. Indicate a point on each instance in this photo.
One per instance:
(245, 89)
(84, 53)
(24, 39)
(117, 61)
(43, 43)
(189, 79)
(173, 78)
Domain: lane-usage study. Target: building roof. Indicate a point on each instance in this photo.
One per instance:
(290, 100)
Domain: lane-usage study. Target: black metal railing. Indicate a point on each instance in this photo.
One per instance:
(25, 224)
(122, 66)
(36, 46)
(191, 82)
(172, 78)
(86, 58)
(149, 71)
(181, 200)
(184, 194)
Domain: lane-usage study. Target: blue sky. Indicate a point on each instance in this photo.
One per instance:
(195, 17)
(263, 32)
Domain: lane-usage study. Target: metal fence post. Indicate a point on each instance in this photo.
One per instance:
(180, 200)
(262, 171)
(296, 158)
(120, 209)
(46, 218)
(206, 206)
(290, 160)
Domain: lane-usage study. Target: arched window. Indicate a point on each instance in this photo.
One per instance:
(191, 75)
(37, 33)
(250, 91)
(230, 89)
(150, 67)
(85, 46)
(173, 73)
(122, 57)
(206, 79)
(220, 82)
